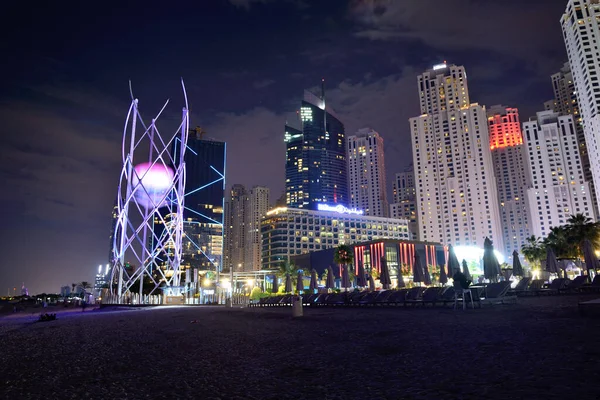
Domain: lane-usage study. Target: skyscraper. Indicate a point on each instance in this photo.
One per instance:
(581, 31)
(510, 168)
(366, 172)
(245, 208)
(456, 194)
(255, 208)
(558, 188)
(235, 231)
(404, 205)
(316, 170)
(203, 216)
(565, 103)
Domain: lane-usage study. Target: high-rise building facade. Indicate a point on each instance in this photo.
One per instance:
(510, 168)
(256, 207)
(245, 208)
(204, 201)
(316, 170)
(456, 196)
(366, 173)
(581, 32)
(235, 231)
(565, 103)
(404, 205)
(558, 188)
(292, 231)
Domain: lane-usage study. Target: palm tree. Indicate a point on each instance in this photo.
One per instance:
(533, 250)
(343, 255)
(84, 285)
(581, 227)
(559, 240)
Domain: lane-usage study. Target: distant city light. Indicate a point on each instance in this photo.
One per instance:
(340, 209)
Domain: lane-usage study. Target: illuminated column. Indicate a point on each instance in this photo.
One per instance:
(150, 192)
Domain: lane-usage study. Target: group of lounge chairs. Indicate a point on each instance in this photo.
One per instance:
(491, 294)
(537, 287)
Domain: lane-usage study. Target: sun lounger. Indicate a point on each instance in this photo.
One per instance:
(575, 285)
(397, 297)
(533, 288)
(592, 287)
(336, 299)
(368, 299)
(521, 287)
(383, 297)
(430, 295)
(554, 287)
(447, 295)
(497, 293)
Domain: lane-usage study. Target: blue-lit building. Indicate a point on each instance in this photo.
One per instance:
(204, 202)
(316, 168)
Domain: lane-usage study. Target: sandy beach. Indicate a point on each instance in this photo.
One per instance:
(539, 348)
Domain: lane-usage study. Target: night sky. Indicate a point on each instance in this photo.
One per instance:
(65, 94)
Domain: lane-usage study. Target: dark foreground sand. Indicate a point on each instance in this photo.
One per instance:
(538, 349)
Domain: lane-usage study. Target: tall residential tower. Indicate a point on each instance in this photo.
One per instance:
(581, 32)
(510, 168)
(366, 172)
(457, 202)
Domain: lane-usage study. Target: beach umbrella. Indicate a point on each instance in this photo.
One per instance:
(330, 283)
(401, 283)
(361, 279)
(313, 281)
(453, 265)
(466, 272)
(517, 267)
(371, 283)
(551, 262)
(384, 277)
(491, 267)
(300, 282)
(443, 276)
(418, 275)
(591, 261)
(426, 275)
(345, 277)
(288, 283)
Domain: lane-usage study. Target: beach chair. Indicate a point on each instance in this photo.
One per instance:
(522, 286)
(398, 297)
(383, 297)
(447, 295)
(554, 287)
(368, 299)
(575, 285)
(592, 287)
(309, 300)
(335, 299)
(497, 293)
(533, 288)
(430, 295)
(462, 295)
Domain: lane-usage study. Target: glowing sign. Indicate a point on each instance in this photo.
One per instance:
(155, 179)
(339, 209)
(439, 66)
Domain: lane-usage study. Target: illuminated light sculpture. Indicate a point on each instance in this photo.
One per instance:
(339, 209)
(150, 191)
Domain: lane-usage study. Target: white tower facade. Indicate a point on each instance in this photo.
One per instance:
(255, 208)
(558, 186)
(366, 173)
(581, 32)
(510, 168)
(456, 196)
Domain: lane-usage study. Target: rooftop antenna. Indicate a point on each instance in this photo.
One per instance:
(324, 108)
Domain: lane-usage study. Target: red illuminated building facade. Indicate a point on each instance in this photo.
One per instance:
(510, 168)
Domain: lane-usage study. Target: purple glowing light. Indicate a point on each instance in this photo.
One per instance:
(155, 179)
